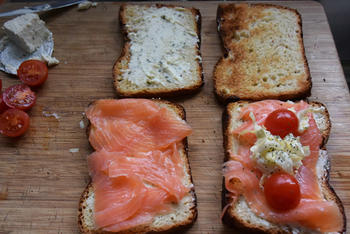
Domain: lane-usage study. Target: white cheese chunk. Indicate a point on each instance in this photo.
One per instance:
(271, 152)
(86, 5)
(24, 33)
(27, 31)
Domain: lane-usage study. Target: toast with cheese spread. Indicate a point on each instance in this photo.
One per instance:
(161, 54)
(264, 53)
(182, 213)
(238, 210)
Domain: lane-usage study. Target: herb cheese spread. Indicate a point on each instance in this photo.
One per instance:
(162, 47)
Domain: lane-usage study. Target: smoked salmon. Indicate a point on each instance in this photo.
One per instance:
(136, 170)
(242, 177)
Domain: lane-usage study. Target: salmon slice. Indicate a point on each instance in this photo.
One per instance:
(242, 177)
(312, 213)
(123, 196)
(136, 169)
(155, 199)
(99, 161)
(132, 109)
(312, 137)
(159, 168)
(131, 127)
(151, 173)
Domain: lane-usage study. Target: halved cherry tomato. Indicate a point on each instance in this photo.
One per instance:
(281, 122)
(3, 105)
(32, 72)
(282, 191)
(14, 123)
(19, 96)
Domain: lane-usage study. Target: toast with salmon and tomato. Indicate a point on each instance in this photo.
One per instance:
(264, 54)
(270, 141)
(141, 177)
(161, 53)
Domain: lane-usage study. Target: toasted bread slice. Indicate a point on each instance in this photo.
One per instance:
(265, 56)
(184, 213)
(239, 215)
(161, 54)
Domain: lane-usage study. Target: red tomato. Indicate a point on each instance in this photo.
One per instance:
(281, 122)
(3, 105)
(19, 96)
(32, 72)
(282, 191)
(14, 123)
(0, 85)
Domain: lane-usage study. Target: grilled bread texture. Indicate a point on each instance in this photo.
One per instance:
(161, 54)
(238, 214)
(264, 54)
(184, 213)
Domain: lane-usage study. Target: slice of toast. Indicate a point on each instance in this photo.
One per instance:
(161, 54)
(264, 54)
(184, 213)
(239, 215)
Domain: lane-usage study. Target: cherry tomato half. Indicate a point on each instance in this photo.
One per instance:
(14, 123)
(19, 96)
(282, 191)
(3, 105)
(281, 122)
(32, 72)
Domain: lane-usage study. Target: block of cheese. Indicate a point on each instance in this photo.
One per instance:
(27, 31)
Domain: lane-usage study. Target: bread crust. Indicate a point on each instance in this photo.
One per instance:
(224, 86)
(125, 56)
(232, 219)
(185, 224)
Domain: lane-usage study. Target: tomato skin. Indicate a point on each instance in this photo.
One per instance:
(3, 105)
(19, 96)
(282, 191)
(33, 72)
(281, 122)
(14, 123)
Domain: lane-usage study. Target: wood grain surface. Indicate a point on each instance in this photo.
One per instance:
(45, 180)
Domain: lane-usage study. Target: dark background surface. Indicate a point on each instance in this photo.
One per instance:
(338, 14)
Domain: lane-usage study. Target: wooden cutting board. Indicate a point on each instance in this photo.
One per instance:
(45, 179)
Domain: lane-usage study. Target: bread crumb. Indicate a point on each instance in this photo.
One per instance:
(81, 123)
(74, 150)
(48, 114)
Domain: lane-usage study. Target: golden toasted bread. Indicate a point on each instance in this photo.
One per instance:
(265, 57)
